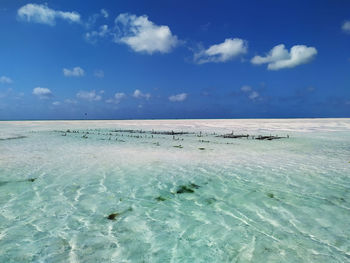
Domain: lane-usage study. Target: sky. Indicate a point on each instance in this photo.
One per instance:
(79, 59)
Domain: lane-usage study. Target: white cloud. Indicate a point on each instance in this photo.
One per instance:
(246, 88)
(44, 15)
(104, 13)
(56, 103)
(142, 35)
(98, 73)
(228, 50)
(117, 98)
(178, 97)
(89, 95)
(254, 95)
(70, 101)
(5, 80)
(279, 57)
(94, 35)
(138, 94)
(346, 26)
(74, 72)
(42, 93)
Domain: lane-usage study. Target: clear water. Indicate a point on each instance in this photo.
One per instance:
(284, 200)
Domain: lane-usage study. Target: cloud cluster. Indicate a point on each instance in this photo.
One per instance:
(178, 97)
(117, 98)
(42, 93)
(142, 35)
(88, 95)
(346, 26)
(252, 94)
(5, 80)
(94, 35)
(74, 72)
(139, 95)
(44, 15)
(228, 50)
(279, 57)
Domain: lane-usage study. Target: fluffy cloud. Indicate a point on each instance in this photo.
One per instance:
(74, 72)
(142, 35)
(44, 15)
(42, 93)
(5, 80)
(228, 50)
(139, 95)
(117, 98)
(178, 97)
(279, 57)
(104, 13)
(246, 88)
(56, 103)
(89, 95)
(254, 95)
(94, 35)
(346, 26)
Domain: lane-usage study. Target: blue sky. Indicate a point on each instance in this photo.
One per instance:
(174, 59)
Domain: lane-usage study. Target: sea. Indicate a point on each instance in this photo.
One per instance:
(218, 190)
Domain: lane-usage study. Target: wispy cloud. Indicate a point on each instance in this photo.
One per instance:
(178, 97)
(142, 35)
(279, 57)
(117, 98)
(225, 51)
(5, 80)
(94, 35)
(74, 72)
(98, 73)
(42, 93)
(346, 26)
(44, 15)
(251, 94)
(139, 95)
(89, 95)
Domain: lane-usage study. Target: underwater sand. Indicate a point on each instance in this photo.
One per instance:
(103, 191)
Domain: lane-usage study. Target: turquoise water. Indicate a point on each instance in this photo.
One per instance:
(211, 200)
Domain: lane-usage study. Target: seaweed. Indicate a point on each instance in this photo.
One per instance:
(201, 148)
(31, 180)
(184, 189)
(13, 138)
(270, 195)
(196, 186)
(210, 200)
(178, 146)
(112, 216)
(160, 199)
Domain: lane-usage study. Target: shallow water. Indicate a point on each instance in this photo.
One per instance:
(285, 200)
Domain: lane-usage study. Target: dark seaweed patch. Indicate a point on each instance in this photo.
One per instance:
(178, 146)
(160, 199)
(112, 216)
(201, 148)
(184, 189)
(270, 195)
(31, 180)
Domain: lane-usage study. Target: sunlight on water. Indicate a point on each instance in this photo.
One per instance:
(133, 191)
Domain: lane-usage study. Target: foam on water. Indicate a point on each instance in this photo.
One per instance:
(284, 200)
